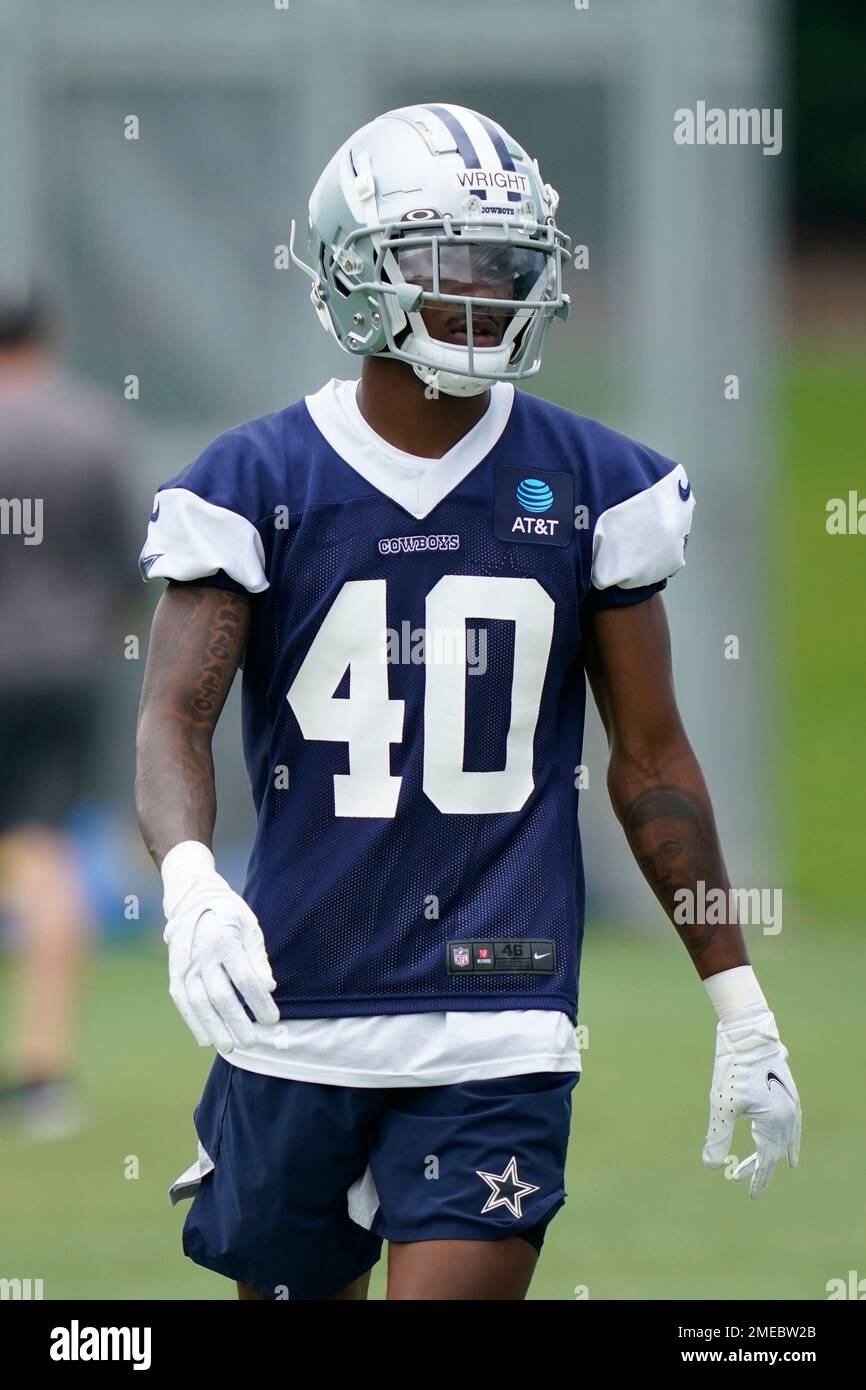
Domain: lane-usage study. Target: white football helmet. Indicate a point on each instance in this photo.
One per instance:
(437, 208)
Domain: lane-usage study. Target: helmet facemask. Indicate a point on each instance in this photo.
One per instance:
(476, 301)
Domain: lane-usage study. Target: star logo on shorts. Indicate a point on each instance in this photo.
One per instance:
(506, 1189)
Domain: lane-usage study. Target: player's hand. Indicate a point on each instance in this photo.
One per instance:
(215, 946)
(751, 1077)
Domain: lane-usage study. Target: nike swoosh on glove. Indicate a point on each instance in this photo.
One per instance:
(751, 1077)
(216, 946)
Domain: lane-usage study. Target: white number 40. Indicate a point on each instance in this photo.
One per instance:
(369, 721)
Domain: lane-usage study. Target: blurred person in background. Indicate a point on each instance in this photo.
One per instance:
(64, 544)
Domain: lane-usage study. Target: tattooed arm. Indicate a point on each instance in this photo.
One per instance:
(216, 947)
(196, 641)
(656, 784)
(659, 795)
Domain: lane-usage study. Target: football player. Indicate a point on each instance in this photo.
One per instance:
(415, 571)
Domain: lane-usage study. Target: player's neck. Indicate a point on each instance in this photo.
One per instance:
(392, 401)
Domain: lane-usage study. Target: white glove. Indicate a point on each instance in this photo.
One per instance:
(750, 1077)
(215, 944)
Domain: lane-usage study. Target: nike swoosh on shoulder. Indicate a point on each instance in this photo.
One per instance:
(685, 492)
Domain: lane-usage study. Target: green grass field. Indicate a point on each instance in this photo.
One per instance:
(644, 1219)
(821, 592)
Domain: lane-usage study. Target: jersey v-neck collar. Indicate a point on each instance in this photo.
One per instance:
(416, 484)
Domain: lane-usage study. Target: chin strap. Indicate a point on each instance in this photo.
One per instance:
(449, 383)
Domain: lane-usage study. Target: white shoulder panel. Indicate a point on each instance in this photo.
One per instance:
(643, 539)
(189, 538)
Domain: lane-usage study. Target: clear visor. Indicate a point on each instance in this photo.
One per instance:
(479, 269)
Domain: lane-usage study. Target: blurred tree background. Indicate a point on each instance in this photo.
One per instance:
(822, 597)
(828, 91)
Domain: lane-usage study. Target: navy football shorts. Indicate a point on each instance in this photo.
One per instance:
(297, 1184)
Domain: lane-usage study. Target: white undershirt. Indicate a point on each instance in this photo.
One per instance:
(423, 1049)
(430, 1049)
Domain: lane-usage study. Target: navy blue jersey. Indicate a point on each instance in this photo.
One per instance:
(413, 689)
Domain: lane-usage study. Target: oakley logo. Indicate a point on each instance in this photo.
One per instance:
(420, 214)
